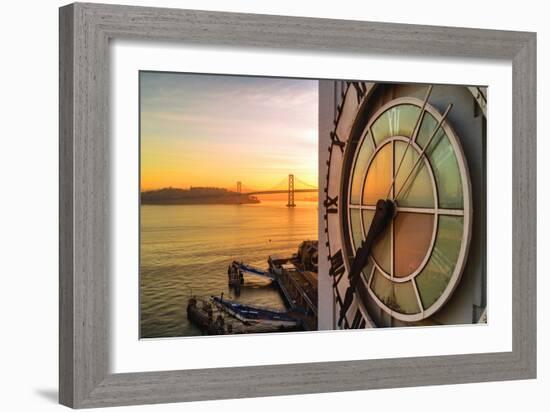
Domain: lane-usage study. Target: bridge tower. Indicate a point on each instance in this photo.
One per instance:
(239, 187)
(291, 191)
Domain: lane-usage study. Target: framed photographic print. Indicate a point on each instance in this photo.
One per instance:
(261, 205)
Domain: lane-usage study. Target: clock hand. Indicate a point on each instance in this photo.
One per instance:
(447, 110)
(413, 137)
(382, 217)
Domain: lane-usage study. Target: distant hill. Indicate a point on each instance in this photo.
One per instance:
(195, 196)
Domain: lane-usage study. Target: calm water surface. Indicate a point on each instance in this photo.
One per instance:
(186, 250)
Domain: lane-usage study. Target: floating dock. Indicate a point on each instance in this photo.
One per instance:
(218, 319)
(250, 314)
(296, 279)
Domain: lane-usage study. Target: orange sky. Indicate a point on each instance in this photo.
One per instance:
(204, 130)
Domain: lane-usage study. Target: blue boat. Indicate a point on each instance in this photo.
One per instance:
(250, 314)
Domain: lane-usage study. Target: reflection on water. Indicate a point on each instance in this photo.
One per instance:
(186, 249)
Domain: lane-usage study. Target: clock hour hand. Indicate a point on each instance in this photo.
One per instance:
(382, 217)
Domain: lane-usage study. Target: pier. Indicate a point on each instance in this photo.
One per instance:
(294, 276)
(213, 317)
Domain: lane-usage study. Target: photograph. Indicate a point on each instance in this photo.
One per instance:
(404, 208)
(229, 204)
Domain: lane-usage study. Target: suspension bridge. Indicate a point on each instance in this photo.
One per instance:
(290, 185)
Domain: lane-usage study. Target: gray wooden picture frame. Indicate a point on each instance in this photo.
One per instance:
(85, 32)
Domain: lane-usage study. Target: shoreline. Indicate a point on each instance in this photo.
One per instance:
(178, 202)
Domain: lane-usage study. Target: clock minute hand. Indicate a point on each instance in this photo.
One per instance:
(382, 217)
(412, 138)
(419, 159)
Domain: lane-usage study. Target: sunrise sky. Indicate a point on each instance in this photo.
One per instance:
(205, 130)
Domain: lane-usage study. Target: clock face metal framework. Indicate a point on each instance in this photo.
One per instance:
(407, 152)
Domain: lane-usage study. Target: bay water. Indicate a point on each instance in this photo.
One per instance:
(185, 250)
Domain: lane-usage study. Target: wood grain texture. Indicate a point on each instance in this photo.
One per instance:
(524, 206)
(85, 31)
(66, 229)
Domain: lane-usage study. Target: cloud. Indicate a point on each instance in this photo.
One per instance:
(251, 125)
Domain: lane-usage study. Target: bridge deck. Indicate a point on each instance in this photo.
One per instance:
(270, 192)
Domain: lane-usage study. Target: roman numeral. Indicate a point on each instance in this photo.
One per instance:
(337, 268)
(336, 141)
(361, 89)
(331, 202)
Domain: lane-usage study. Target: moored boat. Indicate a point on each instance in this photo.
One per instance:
(250, 314)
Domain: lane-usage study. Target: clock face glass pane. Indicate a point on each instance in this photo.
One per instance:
(434, 278)
(367, 271)
(412, 236)
(399, 297)
(382, 287)
(443, 160)
(405, 298)
(365, 151)
(381, 251)
(397, 121)
(427, 127)
(417, 189)
(379, 176)
(447, 173)
(355, 218)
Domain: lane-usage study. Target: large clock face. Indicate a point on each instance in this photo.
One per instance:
(408, 153)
